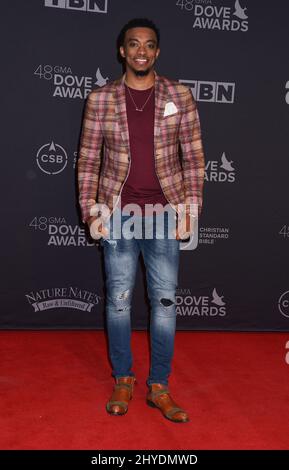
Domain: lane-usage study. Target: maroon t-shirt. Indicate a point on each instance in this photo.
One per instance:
(142, 185)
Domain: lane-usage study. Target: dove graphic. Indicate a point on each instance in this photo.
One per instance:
(239, 11)
(226, 164)
(217, 299)
(100, 81)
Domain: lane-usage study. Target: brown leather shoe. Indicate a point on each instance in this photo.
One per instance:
(159, 397)
(121, 395)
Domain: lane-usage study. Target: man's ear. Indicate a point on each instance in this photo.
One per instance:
(121, 50)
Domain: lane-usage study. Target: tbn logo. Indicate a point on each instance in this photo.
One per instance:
(92, 6)
(217, 92)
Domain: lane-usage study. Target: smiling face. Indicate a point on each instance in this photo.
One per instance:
(140, 50)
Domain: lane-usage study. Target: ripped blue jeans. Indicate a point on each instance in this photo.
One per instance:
(161, 259)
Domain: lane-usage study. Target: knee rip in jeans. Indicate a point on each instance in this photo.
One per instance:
(166, 302)
(123, 296)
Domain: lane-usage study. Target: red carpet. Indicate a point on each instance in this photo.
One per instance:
(54, 385)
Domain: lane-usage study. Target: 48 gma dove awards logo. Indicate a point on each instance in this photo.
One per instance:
(216, 15)
(66, 84)
(58, 233)
(220, 171)
(188, 304)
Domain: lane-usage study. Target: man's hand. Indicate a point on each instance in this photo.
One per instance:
(97, 228)
(99, 213)
(185, 227)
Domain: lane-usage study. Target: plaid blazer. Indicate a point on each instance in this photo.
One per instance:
(104, 156)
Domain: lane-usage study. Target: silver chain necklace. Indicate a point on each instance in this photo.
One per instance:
(136, 107)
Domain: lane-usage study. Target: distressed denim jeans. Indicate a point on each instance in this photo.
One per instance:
(161, 259)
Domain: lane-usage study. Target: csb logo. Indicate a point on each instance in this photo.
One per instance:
(51, 158)
(283, 304)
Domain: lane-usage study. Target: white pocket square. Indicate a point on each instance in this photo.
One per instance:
(170, 109)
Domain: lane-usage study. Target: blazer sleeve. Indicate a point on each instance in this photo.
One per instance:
(89, 160)
(193, 162)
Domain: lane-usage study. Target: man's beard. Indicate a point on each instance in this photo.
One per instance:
(141, 73)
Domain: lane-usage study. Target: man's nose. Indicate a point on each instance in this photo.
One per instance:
(141, 50)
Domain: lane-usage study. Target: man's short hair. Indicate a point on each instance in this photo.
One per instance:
(137, 23)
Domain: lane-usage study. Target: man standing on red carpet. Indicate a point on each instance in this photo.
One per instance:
(129, 158)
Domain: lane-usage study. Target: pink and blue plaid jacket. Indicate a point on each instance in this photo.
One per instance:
(104, 157)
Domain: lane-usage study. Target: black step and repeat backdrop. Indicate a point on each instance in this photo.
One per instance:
(234, 56)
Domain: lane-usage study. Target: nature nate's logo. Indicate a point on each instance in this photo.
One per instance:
(66, 84)
(63, 297)
(211, 15)
(220, 172)
(202, 306)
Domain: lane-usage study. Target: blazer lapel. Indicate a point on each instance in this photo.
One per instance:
(120, 110)
(160, 102)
